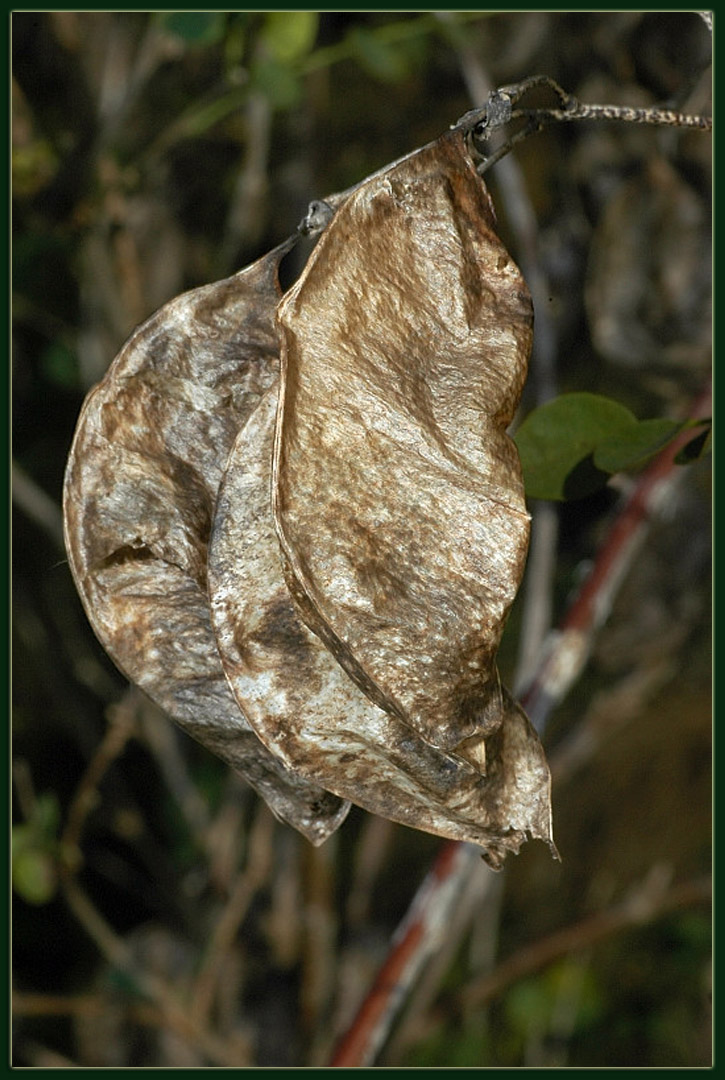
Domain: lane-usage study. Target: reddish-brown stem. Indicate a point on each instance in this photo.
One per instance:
(403, 962)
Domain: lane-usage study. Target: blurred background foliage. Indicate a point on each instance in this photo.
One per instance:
(152, 152)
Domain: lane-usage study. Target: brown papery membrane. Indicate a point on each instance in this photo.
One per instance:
(398, 494)
(140, 486)
(307, 711)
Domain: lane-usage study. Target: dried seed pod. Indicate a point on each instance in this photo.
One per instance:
(140, 487)
(398, 494)
(307, 711)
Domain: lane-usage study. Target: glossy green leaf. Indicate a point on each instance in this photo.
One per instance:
(556, 443)
(637, 444)
(570, 446)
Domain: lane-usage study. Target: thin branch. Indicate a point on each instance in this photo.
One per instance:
(249, 881)
(500, 110)
(644, 906)
(122, 723)
(477, 904)
(84, 1005)
(162, 739)
(107, 941)
(371, 850)
(538, 591)
(173, 1014)
(621, 113)
(480, 124)
(39, 1056)
(610, 711)
(652, 899)
(319, 961)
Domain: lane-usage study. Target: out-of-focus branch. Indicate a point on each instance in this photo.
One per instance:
(249, 880)
(162, 740)
(646, 904)
(38, 506)
(652, 899)
(172, 1013)
(245, 217)
(121, 727)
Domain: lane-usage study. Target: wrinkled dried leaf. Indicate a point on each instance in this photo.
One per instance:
(398, 494)
(140, 488)
(306, 709)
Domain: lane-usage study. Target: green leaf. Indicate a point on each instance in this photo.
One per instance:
(34, 852)
(570, 446)
(235, 41)
(277, 82)
(384, 61)
(633, 447)
(45, 819)
(194, 27)
(59, 365)
(528, 1005)
(34, 876)
(290, 35)
(556, 443)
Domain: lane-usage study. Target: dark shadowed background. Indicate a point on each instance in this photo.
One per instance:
(156, 152)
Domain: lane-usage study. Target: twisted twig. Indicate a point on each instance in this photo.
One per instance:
(500, 110)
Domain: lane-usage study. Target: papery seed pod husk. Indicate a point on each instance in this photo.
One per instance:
(398, 494)
(140, 486)
(306, 709)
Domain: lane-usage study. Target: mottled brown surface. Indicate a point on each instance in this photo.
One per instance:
(401, 514)
(140, 488)
(307, 711)
(399, 496)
